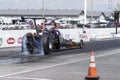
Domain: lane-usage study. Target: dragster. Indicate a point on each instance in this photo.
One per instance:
(49, 40)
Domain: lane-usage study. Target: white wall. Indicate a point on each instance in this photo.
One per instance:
(12, 38)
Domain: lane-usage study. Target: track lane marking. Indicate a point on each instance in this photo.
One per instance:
(60, 64)
(27, 78)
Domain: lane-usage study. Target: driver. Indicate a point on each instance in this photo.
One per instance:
(55, 32)
(56, 36)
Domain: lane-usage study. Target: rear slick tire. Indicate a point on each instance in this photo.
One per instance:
(47, 44)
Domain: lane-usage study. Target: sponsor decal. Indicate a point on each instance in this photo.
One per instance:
(19, 40)
(1, 41)
(10, 40)
(83, 36)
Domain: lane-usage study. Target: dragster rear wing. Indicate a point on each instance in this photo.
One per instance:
(34, 19)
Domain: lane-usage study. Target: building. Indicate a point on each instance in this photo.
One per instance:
(78, 15)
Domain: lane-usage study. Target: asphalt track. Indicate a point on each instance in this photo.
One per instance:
(70, 64)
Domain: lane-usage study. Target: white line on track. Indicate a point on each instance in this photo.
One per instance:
(26, 71)
(9, 49)
(27, 78)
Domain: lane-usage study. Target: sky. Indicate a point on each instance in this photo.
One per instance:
(98, 5)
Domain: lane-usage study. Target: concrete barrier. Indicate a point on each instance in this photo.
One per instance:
(12, 38)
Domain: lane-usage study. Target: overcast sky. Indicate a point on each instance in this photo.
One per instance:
(98, 5)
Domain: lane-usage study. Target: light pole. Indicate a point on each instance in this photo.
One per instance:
(91, 14)
(43, 14)
(85, 14)
(43, 9)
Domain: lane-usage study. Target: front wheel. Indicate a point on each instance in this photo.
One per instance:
(81, 43)
(57, 43)
(30, 47)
